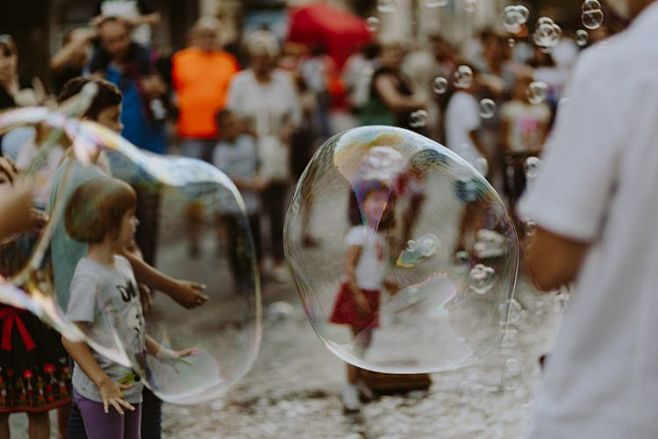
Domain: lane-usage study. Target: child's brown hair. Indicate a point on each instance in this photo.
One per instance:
(107, 95)
(96, 208)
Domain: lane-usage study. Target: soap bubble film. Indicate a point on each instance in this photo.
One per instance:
(418, 259)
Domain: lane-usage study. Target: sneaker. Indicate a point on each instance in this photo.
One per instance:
(350, 397)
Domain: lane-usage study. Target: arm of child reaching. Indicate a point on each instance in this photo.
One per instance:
(187, 294)
(351, 261)
(169, 356)
(111, 392)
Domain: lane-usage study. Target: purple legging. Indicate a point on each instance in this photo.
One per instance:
(112, 425)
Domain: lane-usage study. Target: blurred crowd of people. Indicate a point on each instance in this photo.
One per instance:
(260, 122)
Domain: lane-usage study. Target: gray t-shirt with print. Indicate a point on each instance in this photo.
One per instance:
(108, 299)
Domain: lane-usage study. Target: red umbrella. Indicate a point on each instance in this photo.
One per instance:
(338, 31)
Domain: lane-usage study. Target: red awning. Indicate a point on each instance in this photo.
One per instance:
(338, 31)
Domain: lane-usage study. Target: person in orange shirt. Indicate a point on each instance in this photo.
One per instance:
(201, 76)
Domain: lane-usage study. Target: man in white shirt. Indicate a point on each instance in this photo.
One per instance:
(462, 123)
(596, 205)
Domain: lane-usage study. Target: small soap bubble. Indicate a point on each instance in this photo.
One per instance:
(592, 19)
(481, 279)
(582, 37)
(487, 108)
(463, 77)
(418, 119)
(537, 92)
(531, 167)
(530, 227)
(373, 24)
(440, 85)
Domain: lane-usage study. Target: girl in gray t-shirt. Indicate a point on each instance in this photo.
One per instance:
(105, 303)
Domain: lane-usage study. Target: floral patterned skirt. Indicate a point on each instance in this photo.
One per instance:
(34, 372)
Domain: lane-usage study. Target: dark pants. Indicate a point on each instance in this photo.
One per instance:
(238, 250)
(148, 214)
(151, 418)
(275, 200)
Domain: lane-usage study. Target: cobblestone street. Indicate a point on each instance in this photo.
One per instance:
(293, 391)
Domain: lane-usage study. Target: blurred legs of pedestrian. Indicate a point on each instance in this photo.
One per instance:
(200, 149)
(151, 415)
(76, 428)
(148, 214)
(237, 249)
(275, 200)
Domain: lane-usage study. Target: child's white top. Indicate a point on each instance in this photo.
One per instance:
(103, 296)
(371, 267)
(598, 185)
(526, 125)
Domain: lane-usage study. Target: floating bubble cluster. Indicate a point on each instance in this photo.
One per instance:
(514, 17)
(419, 256)
(592, 15)
(547, 34)
(221, 338)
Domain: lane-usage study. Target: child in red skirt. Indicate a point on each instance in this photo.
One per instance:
(34, 371)
(357, 302)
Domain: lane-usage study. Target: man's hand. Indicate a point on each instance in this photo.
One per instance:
(554, 260)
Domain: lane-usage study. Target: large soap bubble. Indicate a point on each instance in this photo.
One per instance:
(419, 256)
(188, 196)
(221, 338)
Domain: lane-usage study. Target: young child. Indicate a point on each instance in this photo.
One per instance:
(236, 155)
(371, 214)
(105, 109)
(101, 213)
(523, 133)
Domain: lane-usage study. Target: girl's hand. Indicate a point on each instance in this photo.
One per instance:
(112, 394)
(174, 358)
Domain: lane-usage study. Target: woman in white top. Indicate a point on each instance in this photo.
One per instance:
(266, 96)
